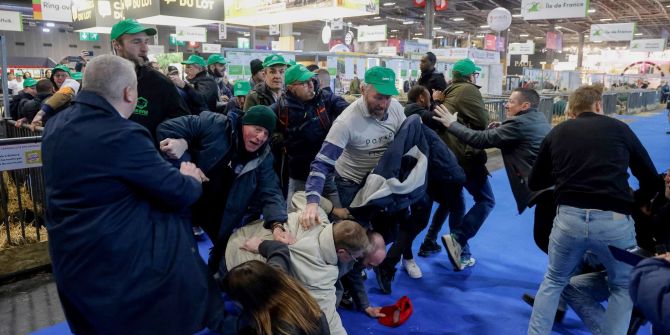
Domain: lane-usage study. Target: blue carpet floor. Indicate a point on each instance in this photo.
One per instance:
(485, 299)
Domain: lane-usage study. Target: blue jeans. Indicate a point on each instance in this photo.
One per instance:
(575, 232)
(477, 184)
(584, 294)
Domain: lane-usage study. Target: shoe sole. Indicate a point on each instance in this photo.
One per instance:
(452, 257)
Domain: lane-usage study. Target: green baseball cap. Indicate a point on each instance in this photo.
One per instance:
(195, 59)
(273, 60)
(77, 76)
(297, 73)
(383, 79)
(29, 82)
(465, 67)
(61, 67)
(214, 59)
(130, 26)
(241, 87)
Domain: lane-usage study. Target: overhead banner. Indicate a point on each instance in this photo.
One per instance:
(191, 34)
(612, 32)
(527, 48)
(372, 33)
(173, 12)
(10, 21)
(553, 9)
(648, 45)
(451, 53)
(52, 10)
(247, 12)
(490, 42)
(554, 40)
(484, 56)
(96, 16)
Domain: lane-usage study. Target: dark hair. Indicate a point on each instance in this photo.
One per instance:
(312, 67)
(44, 86)
(276, 301)
(529, 95)
(431, 57)
(415, 93)
(256, 66)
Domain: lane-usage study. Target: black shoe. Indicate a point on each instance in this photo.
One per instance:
(637, 320)
(384, 279)
(429, 248)
(347, 301)
(530, 300)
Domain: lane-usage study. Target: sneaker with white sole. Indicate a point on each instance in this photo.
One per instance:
(467, 261)
(453, 251)
(412, 268)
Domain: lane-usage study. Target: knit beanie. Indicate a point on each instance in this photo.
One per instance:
(256, 66)
(260, 115)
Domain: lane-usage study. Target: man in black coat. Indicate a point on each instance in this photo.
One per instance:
(430, 79)
(123, 258)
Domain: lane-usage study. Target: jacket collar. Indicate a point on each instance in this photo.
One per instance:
(527, 111)
(94, 100)
(327, 245)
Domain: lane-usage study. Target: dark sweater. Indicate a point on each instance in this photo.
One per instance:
(588, 158)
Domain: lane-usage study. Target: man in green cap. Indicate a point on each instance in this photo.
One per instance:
(200, 86)
(355, 143)
(306, 114)
(240, 91)
(216, 67)
(268, 92)
(158, 99)
(463, 97)
(234, 154)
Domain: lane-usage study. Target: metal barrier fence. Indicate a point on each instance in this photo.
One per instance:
(637, 101)
(496, 108)
(546, 107)
(610, 103)
(22, 192)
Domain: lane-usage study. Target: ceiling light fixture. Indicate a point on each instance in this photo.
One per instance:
(46, 30)
(592, 10)
(50, 24)
(604, 20)
(517, 15)
(523, 35)
(459, 32)
(389, 4)
(458, 19)
(485, 26)
(437, 28)
(408, 22)
(394, 30)
(639, 34)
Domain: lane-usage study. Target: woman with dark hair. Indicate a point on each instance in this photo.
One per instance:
(275, 302)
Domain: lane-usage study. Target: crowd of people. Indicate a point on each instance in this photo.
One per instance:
(300, 192)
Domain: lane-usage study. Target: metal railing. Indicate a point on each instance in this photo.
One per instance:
(496, 108)
(22, 192)
(637, 101)
(610, 103)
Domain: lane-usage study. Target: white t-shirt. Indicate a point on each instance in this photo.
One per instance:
(363, 138)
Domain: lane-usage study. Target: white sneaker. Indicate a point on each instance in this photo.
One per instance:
(412, 268)
(453, 251)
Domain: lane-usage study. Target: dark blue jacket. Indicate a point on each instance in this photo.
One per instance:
(417, 156)
(123, 261)
(650, 291)
(213, 137)
(303, 129)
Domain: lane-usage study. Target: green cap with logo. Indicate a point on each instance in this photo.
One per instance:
(216, 59)
(77, 76)
(383, 79)
(241, 87)
(273, 60)
(61, 67)
(195, 60)
(29, 82)
(130, 26)
(465, 67)
(261, 115)
(297, 73)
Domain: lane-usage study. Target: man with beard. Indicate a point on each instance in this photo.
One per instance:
(430, 79)
(158, 99)
(216, 67)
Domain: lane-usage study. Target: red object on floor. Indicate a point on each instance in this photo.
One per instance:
(397, 314)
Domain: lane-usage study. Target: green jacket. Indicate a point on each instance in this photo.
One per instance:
(261, 95)
(464, 98)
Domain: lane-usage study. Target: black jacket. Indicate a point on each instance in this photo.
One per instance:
(28, 108)
(16, 102)
(587, 159)
(426, 116)
(157, 101)
(433, 81)
(206, 87)
(519, 139)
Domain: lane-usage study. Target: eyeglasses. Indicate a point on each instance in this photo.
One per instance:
(352, 256)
